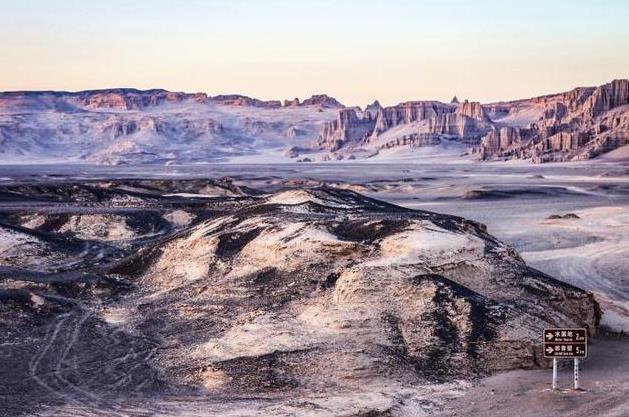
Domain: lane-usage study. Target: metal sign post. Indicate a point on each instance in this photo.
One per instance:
(565, 343)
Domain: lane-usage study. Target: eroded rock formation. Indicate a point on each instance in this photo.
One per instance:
(322, 100)
(348, 127)
(292, 103)
(427, 121)
(238, 100)
(580, 124)
(373, 109)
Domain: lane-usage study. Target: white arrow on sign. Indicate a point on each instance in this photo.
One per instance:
(549, 336)
(549, 349)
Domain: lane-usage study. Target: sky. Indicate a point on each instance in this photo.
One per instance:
(354, 50)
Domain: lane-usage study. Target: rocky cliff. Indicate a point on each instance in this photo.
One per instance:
(238, 100)
(292, 103)
(322, 100)
(115, 99)
(419, 123)
(348, 127)
(373, 109)
(136, 100)
(580, 124)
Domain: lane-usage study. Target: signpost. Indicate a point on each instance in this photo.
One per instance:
(566, 343)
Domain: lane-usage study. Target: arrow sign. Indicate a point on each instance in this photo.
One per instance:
(565, 342)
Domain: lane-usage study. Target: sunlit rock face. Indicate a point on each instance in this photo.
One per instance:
(579, 124)
(420, 123)
(576, 125)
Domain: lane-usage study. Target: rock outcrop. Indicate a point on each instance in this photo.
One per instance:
(413, 139)
(580, 124)
(499, 138)
(427, 121)
(473, 110)
(128, 99)
(292, 103)
(607, 97)
(409, 112)
(117, 98)
(373, 109)
(305, 292)
(179, 129)
(349, 127)
(322, 100)
(238, 100)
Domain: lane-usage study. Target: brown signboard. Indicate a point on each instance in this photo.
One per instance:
(565, 343)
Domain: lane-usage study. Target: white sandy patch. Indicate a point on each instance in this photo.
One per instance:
(33, 221)
(522, 116)
(428, 244)
(179, 218)
(208, 227)
(106, 227)
(293, 244)
(37, 300)
(620, 154)
(23, 250)
(259, 336)
(294, 197)
(187, 259)
(10, 240)
(379, 395)
(116, 315)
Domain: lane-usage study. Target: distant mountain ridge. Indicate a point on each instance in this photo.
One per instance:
(130, 126)
(127, 125)
(132, 98)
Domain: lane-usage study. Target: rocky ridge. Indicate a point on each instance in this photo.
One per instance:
(204, 289)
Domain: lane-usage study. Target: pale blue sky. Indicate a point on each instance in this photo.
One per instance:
(359, 50)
